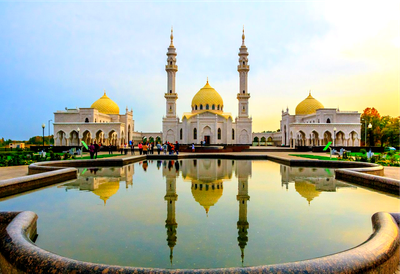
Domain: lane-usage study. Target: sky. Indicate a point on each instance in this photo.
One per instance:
(57, 54)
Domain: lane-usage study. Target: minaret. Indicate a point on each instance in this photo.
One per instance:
(170, 223)
(171, 68)
(242, 224)
(243, 69)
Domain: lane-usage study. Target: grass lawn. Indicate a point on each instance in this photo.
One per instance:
(314, 157)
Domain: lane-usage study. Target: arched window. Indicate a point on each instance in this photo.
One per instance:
(195, 107)
(218, 107)
(195, 134)
(207, 106)
(244, 63)
(219, 134)
(95, 120)
(328, 121)
(170, 63)
(87, 120)
(180, 134)
(213, 107)
(243, 91)
(201, 106)
(170, 91)
(233, 134)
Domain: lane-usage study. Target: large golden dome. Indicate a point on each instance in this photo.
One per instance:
(106, 190)
(209, 193)
(106, 105)
(308, 106)
(207, 96)
(306, 190)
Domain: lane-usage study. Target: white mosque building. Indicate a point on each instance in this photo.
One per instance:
(311, 125)
(207, 120)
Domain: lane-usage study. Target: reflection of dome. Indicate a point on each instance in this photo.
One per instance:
(308, 106)
(106, 105)
(207, 96)
(207, 194)
(306, 190)
(106, 190)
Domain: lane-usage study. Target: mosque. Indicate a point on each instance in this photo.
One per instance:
(207, 120)
(311, 125)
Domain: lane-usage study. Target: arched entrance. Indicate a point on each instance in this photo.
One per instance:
(206, 135)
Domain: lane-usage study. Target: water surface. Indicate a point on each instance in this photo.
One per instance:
(202, 213)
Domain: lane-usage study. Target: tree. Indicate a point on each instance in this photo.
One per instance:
(370, 116)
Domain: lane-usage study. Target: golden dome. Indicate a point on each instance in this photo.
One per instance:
(306, 190)
(106, 105)
(308, 106)
(106, 190)
(208, 195)
(207, 96)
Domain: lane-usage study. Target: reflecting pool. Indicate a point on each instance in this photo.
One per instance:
(202, 213)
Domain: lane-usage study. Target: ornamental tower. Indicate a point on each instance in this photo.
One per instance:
(243, 69)
(171, 68)
(170, 223)
(242, 197)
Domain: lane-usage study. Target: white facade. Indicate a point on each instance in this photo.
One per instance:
(89, 125)
(342, 128)
(207, 121)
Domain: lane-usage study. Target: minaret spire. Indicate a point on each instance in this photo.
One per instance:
(172, 37)
(243, 37)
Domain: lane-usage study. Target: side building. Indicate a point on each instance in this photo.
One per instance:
(101, 123)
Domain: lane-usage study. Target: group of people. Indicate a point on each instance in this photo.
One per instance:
(93, 149)
(148, 148)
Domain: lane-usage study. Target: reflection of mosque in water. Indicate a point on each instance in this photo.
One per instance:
(310, 182)
(207, 177)
(104, 182)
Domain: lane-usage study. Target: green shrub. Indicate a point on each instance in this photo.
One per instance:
(363, 151)
(66, 156)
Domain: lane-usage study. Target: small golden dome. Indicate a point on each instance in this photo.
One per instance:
(106, 190)
(308, 106)
(209, 193)
(306, 190)
(207, 96)
(106, 105)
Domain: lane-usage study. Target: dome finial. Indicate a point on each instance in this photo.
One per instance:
(105, 92)
(207, 79)
(243, 36)
(172, 37)
(309, 92)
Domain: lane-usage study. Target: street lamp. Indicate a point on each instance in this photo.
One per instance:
(334, 136)
(43, 126)
(369, 126)
(79, 143)
(365, 128)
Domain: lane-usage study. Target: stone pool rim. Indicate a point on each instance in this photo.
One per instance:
(380, 253)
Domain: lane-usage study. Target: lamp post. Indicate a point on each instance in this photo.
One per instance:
(49, 127)
(369, 126)
(365, 128)
(334, 136)
(43, 126)
(79, 143)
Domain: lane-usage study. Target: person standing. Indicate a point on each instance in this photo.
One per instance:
(192, 147)
(158, 148)
(140, 146)
(132, 148)
(91, 150)
(145, 148)
(177, 148)
(165, 147)
(96, 149)
(152, 148)
(109, 149)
